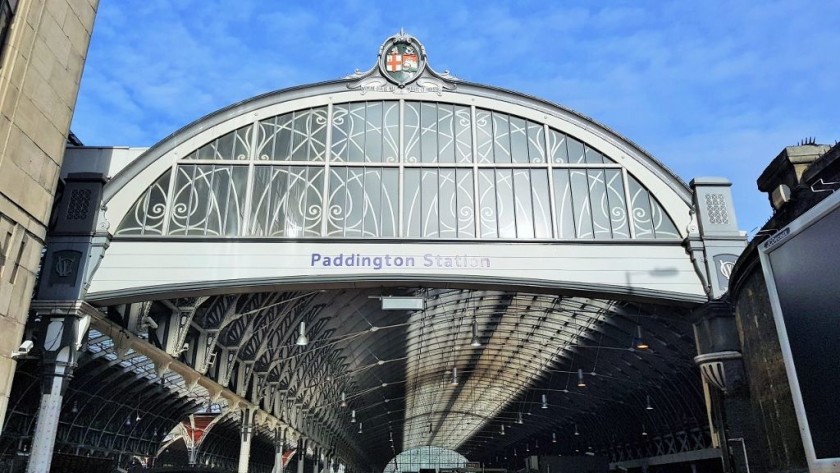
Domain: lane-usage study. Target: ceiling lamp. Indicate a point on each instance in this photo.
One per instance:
(503, 429)
(554, 437)
(343, 399)
(360, 427)
(577, 433)
(648, 407)
(644, 430)
(581, 382)
(475, 342)
(519, 418)
(302, 340)
(454, 381)
(544, 401)
(353, 416)
(638, 340)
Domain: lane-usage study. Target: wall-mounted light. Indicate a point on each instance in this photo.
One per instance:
(639, 341)
(302, 340)
(475, 342)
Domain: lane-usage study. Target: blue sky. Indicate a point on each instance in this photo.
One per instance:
(707, 87)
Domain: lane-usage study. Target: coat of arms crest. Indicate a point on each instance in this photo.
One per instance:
(404, 59)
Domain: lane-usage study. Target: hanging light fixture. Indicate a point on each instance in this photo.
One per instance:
(353, 416)
(526, 448)
(138, 417)
(638, 340)
(577, 433)
(75, 409)
(544, 401)
(581, 382)
(475, 342)
(343, 399)
(649, 407)
(554, 437)
(454, 381)
(302, 340)
(644, 430)
(360, 427)
(128, 421)
(430, 427)
(519, 418)
(503, 429)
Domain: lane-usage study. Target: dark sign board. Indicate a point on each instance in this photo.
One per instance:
(801, 265)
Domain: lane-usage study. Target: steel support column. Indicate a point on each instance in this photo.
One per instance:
(247, 435)
(64, 325)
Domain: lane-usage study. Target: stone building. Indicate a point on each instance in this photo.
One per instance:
(44, 44)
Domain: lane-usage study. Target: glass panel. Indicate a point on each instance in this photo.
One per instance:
(391, 138)
(580, 203)
(519, 140)
(541, 203)
(446, 134)
(412, 132)
(429, 207)
(389, 216)
(522, 199)
(484, 136)
(218, 201)
(487, 203)
(536, 143)
(373, 188)
(336, 215)
(501, 138)
(411, 203)
(557, 147)
(618, 208)
(600, 204)
(356, 136)
(373, 138)
(593, 156)
(640, 213)
(463, 134)
(466, 209)
(576, 153)
(313, 216)
(448, 204)
(663, 226)
(504, 203)
(340, 132)
(428, 133)
(146, 216)
(354, 202)
(179, 215)
(261, 201)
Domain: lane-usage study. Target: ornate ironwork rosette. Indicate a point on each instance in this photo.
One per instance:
(402, 59)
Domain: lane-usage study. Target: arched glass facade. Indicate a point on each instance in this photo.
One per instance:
(398, 169)
(427, 457)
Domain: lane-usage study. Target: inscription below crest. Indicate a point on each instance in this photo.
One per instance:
(403, 59)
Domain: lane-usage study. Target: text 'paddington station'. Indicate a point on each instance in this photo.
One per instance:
(377, 262)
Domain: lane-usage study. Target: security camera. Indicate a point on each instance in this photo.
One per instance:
(23, 349)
